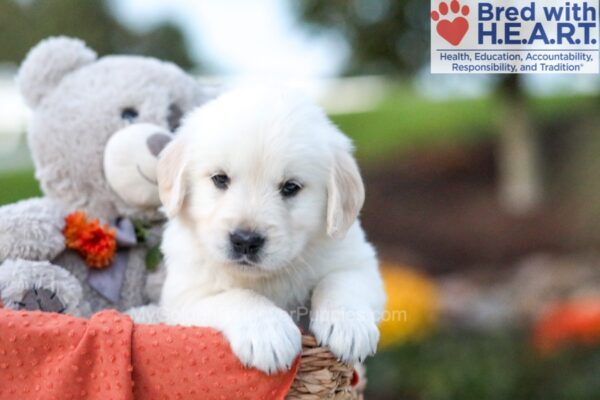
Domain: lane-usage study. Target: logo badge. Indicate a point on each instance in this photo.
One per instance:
(519, 37)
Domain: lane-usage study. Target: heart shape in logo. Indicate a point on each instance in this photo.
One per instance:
(453, 31)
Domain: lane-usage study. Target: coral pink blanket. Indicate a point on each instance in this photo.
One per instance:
(51, 356)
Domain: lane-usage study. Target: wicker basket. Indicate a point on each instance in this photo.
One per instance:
(322, 376)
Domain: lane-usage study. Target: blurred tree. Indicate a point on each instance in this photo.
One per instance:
(519, 153)
(392, 37)
(23, 23)
(386, 36)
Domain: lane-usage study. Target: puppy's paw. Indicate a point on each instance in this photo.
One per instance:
(269, 343)
(351, 336)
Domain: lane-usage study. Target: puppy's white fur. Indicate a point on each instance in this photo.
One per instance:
(315, 252)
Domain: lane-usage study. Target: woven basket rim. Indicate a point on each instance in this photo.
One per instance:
(322, 376)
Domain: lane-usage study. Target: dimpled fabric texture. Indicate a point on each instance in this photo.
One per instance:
(46, 356)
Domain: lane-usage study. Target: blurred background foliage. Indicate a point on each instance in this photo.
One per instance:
(485, 205)
(385, 37)
(24, 23)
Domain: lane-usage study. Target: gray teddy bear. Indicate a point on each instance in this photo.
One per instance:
(96, 129)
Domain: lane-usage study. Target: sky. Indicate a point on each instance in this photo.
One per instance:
(257, 38)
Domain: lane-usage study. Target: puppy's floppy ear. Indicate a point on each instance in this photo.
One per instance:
(345, 191)
(170, 175)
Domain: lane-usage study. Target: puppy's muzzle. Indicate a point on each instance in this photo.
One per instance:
(246, 244)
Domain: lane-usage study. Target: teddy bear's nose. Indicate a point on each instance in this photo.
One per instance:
(157, 142)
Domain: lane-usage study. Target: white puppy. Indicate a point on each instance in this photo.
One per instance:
(263, 195)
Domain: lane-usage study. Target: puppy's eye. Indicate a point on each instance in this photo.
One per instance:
(289, 188)
(129, 114)
(221, 181)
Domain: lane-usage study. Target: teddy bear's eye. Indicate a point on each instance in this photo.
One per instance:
(174, 117)
(129, 114)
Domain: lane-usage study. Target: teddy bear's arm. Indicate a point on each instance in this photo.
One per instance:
(40, 286)
(32, 230)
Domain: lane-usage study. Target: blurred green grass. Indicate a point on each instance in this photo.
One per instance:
(17, 185)
(403, 121)
(473, 366)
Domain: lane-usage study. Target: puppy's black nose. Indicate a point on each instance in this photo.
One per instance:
(246, 243)
(157, 142)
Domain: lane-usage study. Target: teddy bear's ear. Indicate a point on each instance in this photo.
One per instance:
(47, 63)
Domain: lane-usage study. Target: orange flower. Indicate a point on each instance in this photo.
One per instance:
(97, 244)
(573, 322)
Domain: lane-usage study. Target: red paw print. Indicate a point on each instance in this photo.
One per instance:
(452, 30)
